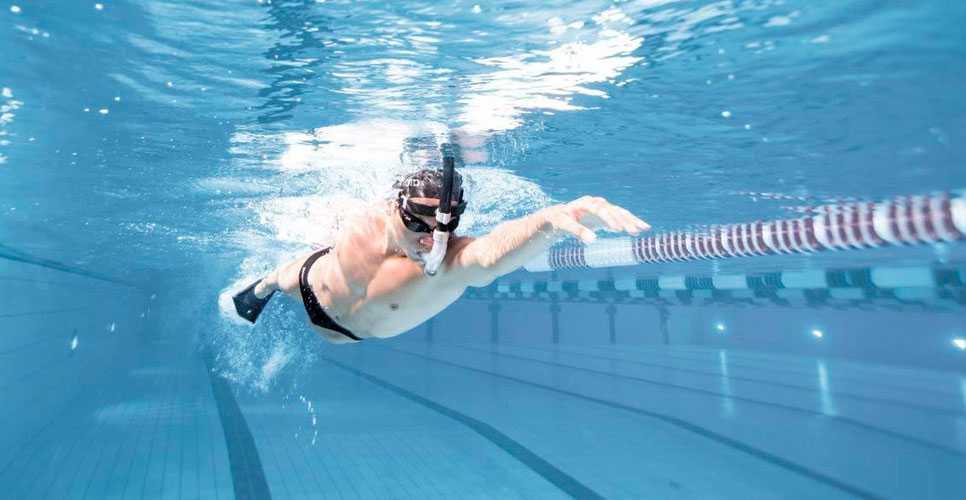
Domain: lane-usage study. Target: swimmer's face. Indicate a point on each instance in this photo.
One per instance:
(424, 241)
(415, 243)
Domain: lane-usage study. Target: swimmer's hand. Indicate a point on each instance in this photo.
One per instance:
(585, 215)
(477, 262)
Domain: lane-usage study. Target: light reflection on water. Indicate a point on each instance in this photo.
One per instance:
(238, 134)
(8, 107)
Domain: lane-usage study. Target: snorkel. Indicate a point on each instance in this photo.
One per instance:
(444, 214)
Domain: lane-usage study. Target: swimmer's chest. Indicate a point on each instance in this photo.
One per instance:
(399, 296)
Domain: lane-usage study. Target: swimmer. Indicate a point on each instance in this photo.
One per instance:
(400, 264)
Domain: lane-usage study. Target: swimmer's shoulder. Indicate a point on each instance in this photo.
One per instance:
(362, 229)
(456, 246)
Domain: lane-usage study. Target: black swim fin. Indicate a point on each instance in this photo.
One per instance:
(248, 305)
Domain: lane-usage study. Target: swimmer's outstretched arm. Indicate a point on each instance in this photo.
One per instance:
(514, 243)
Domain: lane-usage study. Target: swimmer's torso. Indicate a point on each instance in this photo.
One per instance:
(374, 295)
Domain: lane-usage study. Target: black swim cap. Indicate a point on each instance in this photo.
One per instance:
(427, 183)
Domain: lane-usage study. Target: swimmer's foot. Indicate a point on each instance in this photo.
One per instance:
(248, 305)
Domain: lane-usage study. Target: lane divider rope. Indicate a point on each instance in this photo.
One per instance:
(907, 220)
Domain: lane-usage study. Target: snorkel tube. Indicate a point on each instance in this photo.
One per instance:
(443, 217)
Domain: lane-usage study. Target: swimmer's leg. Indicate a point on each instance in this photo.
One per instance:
(268, 285)
(250, 301)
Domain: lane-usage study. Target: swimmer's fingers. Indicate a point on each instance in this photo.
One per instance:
(594, 212)
(613, 217)
(631, 223)
(620, 220)
(608, 218)
(570, 225)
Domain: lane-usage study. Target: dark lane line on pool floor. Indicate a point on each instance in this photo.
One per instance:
(247, 474)
(678, 422)
(14, 255)
(814, 413)
(531, 460)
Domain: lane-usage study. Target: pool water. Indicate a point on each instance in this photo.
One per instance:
(157, 156)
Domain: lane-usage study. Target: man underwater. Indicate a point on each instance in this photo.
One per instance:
(398, 264)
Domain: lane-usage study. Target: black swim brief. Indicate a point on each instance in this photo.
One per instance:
(317, 314)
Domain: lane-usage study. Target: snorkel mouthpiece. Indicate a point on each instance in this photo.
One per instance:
(443, 217)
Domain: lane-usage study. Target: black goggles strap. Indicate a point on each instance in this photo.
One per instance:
(428, 210)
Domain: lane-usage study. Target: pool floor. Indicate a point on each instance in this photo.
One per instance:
(405, 419)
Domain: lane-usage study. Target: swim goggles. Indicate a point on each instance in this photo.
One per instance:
(408, 210)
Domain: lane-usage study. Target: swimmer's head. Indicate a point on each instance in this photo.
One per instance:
(416, 196)
(427, 183)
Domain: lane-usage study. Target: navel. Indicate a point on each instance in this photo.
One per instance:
(393, 306)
